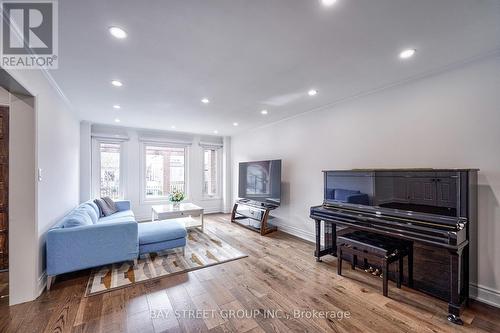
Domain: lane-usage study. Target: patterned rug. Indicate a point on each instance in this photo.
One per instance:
(202, 250)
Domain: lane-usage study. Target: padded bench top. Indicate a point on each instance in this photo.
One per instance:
(160, 231)
(376, 243)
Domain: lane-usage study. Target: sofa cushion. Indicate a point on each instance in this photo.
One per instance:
(76, 218)
(94, 206)
(87, 208)
(160, 231)
(116, 220)
(126, 214)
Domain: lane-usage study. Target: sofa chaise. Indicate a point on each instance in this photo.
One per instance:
(83, 240)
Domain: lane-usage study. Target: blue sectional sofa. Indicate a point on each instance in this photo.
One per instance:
(83, 240)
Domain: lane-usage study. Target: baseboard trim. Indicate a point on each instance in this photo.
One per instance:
(294, 231)
(485, 295)
(41, 283)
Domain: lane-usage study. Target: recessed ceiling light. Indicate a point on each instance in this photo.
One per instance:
(205, 101)
(263, 112)
(328, 2)
(408, 53)
(116, 106)
(312, 92)
(117, 83)
(117, 32)
(172, 127)
(117, 120)
(216, 132)
(235, 124)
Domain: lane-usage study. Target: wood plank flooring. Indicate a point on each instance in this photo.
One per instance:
(279, 277)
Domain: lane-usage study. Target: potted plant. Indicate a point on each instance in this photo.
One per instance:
(176, 197)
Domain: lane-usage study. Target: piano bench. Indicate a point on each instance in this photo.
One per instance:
(379, 250)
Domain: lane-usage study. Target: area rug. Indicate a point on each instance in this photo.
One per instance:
(202, 250)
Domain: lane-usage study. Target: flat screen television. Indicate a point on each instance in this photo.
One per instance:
(260, 181)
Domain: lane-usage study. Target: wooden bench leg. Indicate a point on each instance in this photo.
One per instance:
(385, 272)
(399, 275)
(339, 260)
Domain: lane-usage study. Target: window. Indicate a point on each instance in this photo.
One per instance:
(164, 170)
(109, 157)
(211, 172)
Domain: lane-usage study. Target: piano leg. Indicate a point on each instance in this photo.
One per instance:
(334, 239)
(318, 240)
(410, 266)
(455, 304)
(465, 254)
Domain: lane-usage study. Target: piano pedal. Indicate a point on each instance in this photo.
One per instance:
(369, 270)
(377, 272)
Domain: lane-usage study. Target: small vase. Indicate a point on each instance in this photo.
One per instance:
(176, 204)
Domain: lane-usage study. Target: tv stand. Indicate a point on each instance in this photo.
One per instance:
(253, 215)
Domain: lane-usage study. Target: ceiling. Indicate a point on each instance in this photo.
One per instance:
(246, 56)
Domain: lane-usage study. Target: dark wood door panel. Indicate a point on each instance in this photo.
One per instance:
(4, 187)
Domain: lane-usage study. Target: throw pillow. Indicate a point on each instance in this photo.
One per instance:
(99, 203)
(87, 208)
(94, 207)
(111, 205)
(107, 206)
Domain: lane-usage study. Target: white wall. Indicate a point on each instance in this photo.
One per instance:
(85, 162)
(57, 145)
(131, 165)
(447, 120)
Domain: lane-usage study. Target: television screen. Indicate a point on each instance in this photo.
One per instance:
(260, 181)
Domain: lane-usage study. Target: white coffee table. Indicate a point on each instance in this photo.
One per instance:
(184, 213)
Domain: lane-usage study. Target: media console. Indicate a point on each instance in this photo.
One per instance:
(253, 215)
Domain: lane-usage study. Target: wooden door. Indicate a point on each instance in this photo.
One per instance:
(4, 187)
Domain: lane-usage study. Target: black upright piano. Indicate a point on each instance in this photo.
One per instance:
(434, 208)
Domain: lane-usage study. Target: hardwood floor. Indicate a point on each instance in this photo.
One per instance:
(280, 274)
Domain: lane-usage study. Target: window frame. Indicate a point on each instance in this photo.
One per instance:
(96, 167)
(163, 199)
(218, 194)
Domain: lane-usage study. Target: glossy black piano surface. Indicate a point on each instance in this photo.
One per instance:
(432, 208)
(430, 191)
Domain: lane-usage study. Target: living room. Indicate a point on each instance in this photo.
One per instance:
(237, 166)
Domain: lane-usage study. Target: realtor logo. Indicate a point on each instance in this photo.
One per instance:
(29, 34)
